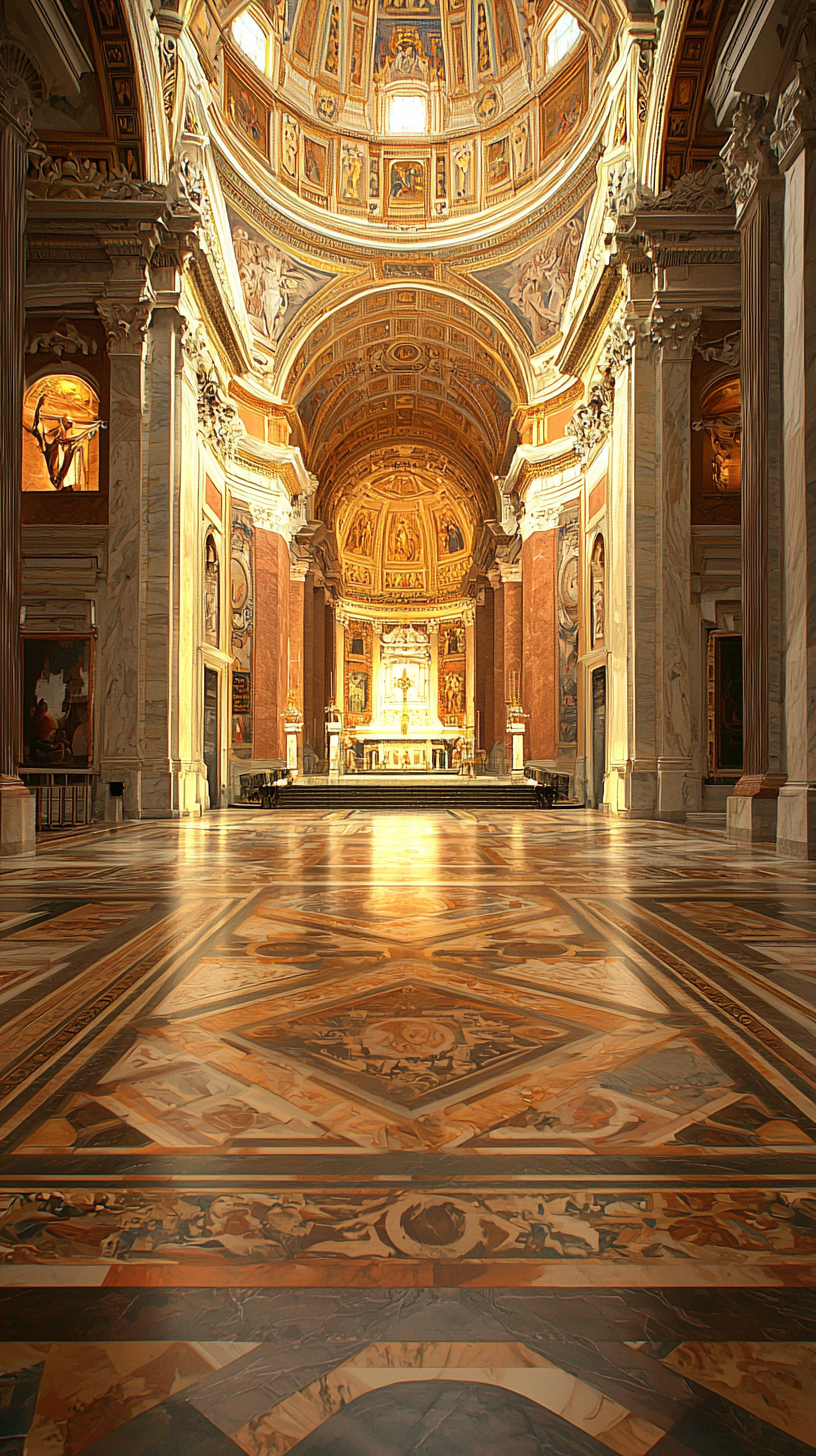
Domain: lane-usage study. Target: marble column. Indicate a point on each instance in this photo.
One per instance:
(679, 780)
(511, 622)
(162, 771)
(330, 636)
(634, 710)
(470, 674)
(299, 594)
(17, 805)
(753, 177)
(540, 644)
(484, 668)
(121, 703)
(317, 649)
(311, 708)
(499, 690)
(273, 585)
(795, 139)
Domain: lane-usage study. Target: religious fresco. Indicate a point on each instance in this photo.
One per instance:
(408, 42)
(275, 285)
(407, 182)
(242, 600)
(315, 163)
(57, 702)
(212, 594)
(562, 111)
(452, 673)
(248, 113)
(535, 286)
(61, 427)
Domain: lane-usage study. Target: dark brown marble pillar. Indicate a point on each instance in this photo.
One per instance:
(16, 804)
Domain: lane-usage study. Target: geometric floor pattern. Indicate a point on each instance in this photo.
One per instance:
(364, 1133)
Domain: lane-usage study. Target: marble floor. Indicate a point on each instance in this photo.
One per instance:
(367, 1134)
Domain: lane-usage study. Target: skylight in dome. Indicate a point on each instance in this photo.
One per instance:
(564, 35)
(251, 39)
(407, 114)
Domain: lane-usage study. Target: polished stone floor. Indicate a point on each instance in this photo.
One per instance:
(367, 1134)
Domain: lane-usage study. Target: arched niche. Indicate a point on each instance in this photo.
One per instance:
(212, 593)
(61, 428)
(597, 593)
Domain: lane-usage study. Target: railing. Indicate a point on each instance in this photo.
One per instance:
(64, 800)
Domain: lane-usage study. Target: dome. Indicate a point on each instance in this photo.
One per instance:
(403, 112)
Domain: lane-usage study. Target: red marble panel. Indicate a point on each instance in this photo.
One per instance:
(271, 643)
(540, 644)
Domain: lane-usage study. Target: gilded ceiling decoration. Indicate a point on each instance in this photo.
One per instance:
(405, 533)
(409, 112)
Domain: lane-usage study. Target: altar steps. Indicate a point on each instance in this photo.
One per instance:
(408, 797)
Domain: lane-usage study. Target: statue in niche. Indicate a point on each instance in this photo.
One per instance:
(597, 593)
(404, 540)
(451, 537)
(64, 437)
(211, 595)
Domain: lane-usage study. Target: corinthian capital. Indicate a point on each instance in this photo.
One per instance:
(796, 109)
(747, 156)
(675, 330)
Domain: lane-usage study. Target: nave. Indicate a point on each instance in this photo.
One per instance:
(453, 1134)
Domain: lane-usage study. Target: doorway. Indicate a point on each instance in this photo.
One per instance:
(598, 735)
(211, 735)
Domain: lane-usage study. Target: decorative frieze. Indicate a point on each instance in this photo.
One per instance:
(796, 109)
(64, 339)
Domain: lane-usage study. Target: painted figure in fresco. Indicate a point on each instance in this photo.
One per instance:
(246, 118)
(290, 148)
(507, 43)
(333, 43)
(359, 537)
(482, 42)
(521, 148)
(462, 160)
(305, 39)
(314, 163)
(459, 56)
(404, 543)
(351, 172)
(454, 694)
(451, 537)
(598, 590)
(358, 692)
(63, 446)
(356, 64)
(406, 180)
(543, 280)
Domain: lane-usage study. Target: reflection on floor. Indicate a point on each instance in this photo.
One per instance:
(370, 1135)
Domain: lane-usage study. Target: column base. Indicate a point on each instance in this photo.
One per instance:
(679, 789)
(18, 818)
(796, 820)
(752, 808)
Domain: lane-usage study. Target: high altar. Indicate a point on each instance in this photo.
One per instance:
(408, 700)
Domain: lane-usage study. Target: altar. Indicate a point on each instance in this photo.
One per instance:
(408, 695)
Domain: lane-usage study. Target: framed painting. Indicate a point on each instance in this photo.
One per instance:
(248, 113)
(57, 702)
(406, 185)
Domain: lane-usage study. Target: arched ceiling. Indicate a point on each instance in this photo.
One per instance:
(411, 370)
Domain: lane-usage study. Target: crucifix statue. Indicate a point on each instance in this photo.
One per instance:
(404, 683)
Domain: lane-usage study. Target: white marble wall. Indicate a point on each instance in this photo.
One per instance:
(796, 817)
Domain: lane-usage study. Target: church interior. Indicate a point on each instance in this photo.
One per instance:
(408, 727)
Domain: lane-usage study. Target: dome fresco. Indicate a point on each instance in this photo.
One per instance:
(403, 112)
